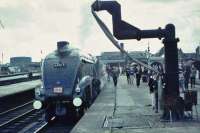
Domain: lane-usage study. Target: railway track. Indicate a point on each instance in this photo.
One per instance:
(20, 122)
(15, 119)
(18, 109)
(23, 122)
(28, 120)
(55, 127)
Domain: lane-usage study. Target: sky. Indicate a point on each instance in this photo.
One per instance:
(32, 26)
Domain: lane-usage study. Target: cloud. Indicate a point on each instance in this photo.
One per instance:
(160, 1)
(151, 14)
(32, 26)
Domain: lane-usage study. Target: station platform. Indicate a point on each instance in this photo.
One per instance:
(18, 76)
(132, 115)
(18, 87)
(13, 77)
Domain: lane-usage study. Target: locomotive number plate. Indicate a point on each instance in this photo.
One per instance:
(57, 89)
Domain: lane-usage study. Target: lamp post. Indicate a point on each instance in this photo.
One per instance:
(1, 24)
(2, 58)
(148, 55)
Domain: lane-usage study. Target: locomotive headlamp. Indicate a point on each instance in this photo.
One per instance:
(37, 91)
(37, 104)
(78, 89)
(77, 101)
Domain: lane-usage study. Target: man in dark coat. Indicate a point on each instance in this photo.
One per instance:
(115, 75)
(153, 87)
(150, 84)
(108, 70)
(138, 75)
(128, 74)
(187, 76)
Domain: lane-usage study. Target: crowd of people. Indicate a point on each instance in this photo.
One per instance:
(134, 74)
(187, 74)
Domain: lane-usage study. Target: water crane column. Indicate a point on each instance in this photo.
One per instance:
(123, 30)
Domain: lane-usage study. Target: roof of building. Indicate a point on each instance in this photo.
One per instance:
(116, 55)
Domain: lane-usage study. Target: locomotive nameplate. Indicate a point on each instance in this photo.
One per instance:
(59, 65)
(57, 89)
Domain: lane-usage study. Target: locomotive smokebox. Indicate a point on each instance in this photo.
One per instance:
(62, 46)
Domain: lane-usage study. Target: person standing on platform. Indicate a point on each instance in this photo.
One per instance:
(115, 75)
(199, 74)
(187, 72)
(153, 87)
(145, 75)
(193, 76)
(181, 79)
(108, 70)
(132, 75)
(150, 84)
(128, 74)
(138, 75)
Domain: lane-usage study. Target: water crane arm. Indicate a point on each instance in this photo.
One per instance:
(115, 42)
(121, 29)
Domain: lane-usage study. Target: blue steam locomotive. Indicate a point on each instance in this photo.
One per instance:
(70, 82)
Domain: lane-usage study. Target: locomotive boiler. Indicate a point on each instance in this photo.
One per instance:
(70, 82)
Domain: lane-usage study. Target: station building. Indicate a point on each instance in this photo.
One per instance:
(21, 62)
(118, 59)
(25, 64)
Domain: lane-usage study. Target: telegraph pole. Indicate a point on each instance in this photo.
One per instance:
(1, 24)
(2, 58)
(148, 54)
(148, 58)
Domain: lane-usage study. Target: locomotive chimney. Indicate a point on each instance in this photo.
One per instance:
(62, 46)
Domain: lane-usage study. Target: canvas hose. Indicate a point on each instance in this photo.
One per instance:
(116, 43)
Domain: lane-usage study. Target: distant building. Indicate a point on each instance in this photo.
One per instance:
(112, 57)
(18, 61)
(189, 56)
(117, 58)
(34, 67)
(181, 55)
(21, 62)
